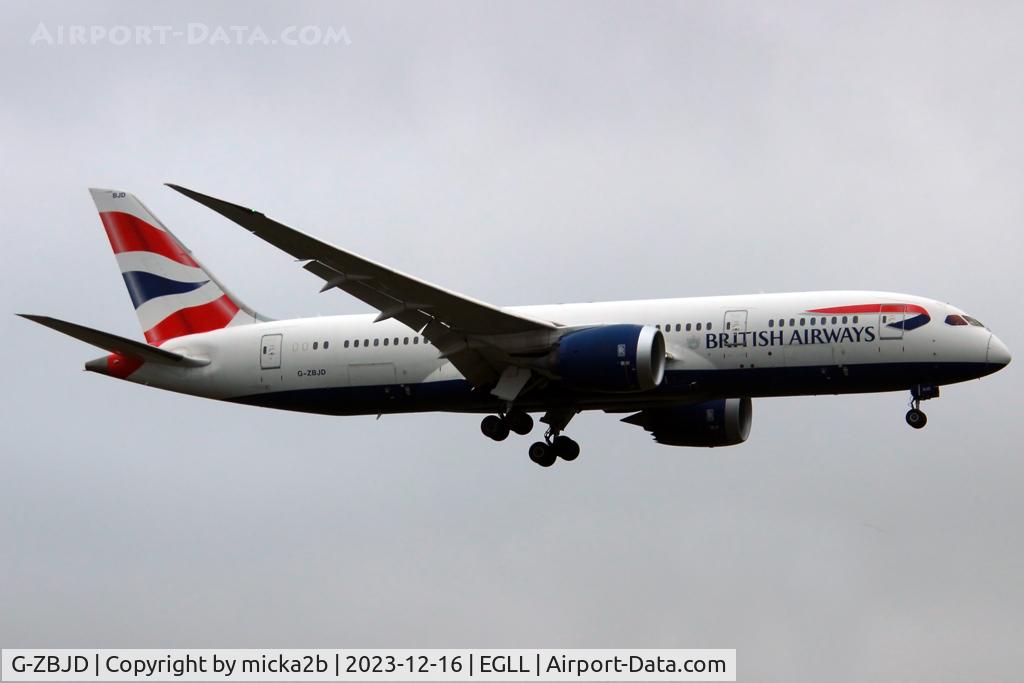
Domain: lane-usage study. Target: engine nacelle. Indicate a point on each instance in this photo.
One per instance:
(725, 422)
(612, 358)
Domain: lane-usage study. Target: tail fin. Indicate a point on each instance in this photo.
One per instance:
(172, 292)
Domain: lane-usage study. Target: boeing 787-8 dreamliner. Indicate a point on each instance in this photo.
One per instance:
(684, 369)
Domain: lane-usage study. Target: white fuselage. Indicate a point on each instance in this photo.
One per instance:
(717, 347)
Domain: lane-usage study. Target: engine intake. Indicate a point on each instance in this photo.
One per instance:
(612, 358)
(724, 422)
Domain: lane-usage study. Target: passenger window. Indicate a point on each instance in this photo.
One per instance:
(396, 341)
(346, 343)
(771, 323)
(782, 322)
(834, 320)
(405, 341)
(792, 322)
(728, 326)
(709, 326)
(356, 343)
(844, 319)
(855, 319)
(264, 350)
(326, 344)
(689, 326)
(315, 344)
(824, 320)
(679, 327)
(802, 321)
(415, 340)
(366, 342)
(698, 327)
(385, 341)
(376, 342)
(813, 320)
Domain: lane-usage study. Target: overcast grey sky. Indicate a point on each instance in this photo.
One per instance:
(522, 153)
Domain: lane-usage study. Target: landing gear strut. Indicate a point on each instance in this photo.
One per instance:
(545, 453)
(555, 444)
(922, 392)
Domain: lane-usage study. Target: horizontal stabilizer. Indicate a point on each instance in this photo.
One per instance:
(116, 344)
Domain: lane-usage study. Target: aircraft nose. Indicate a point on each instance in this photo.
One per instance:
(997, 354)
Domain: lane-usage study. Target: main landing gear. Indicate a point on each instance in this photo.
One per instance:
(546, 452)
(922, 392)
(498, 427)
(555, 444)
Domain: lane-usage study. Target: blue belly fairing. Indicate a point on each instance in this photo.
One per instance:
(678, 386)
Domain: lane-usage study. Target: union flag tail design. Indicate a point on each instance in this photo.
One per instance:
(172, 292)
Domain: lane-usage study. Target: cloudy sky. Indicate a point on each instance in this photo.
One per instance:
(521, 153)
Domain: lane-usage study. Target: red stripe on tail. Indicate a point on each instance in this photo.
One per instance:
(203, 318)
(130, 233)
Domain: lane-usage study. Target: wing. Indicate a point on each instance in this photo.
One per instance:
(481, 340)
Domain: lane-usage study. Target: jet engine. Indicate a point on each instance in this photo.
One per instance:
(723, 422)
(612, 358)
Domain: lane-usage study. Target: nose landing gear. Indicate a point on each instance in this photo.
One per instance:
(922, 392)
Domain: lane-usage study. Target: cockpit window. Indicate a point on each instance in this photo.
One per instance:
(963, 320)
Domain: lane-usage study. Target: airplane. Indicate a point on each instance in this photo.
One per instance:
(684, 370)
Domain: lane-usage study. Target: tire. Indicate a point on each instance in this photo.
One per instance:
(520, 422)
(494, 427)
(542, 454)
(565, 448)
(916, 418)
(501, 433)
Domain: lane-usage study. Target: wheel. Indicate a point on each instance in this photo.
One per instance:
(916, 418)
(489, 425)
(494, 427)
(542, 454)
(520, 422)
(565, 448)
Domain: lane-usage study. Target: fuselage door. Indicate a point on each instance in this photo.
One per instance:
(735, 321)
(270, 351)
(734, 324)
(890, 323)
